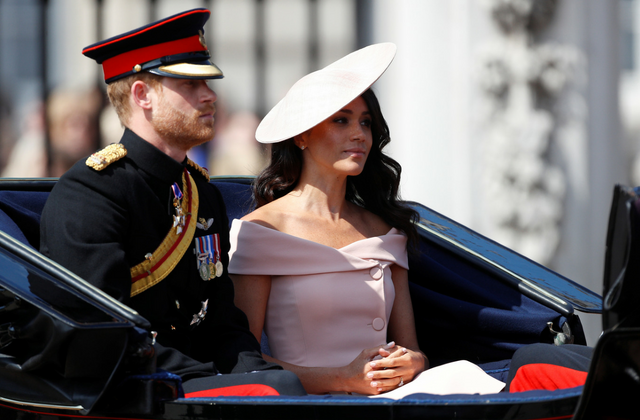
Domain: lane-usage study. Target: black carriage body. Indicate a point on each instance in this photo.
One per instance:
(473, 299)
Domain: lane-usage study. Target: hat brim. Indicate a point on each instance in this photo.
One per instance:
(320, 94)
(204, 70)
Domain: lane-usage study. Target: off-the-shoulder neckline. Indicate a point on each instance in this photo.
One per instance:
(392, 231)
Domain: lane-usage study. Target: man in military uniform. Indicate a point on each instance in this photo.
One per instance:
(140, 221)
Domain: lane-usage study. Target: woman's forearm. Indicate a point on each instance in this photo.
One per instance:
(316, 380)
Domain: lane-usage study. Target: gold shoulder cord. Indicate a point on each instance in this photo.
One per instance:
(103, 158)
(198, 168)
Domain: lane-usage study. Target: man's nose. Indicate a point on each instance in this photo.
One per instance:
(209, 94)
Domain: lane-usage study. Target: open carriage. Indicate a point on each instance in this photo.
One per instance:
(67, 350)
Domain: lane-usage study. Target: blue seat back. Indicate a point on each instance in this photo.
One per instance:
(20, 215)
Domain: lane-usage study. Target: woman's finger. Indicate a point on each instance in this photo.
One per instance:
(393, 361)
(387, 349)
(398, 352)
(384, 385)
(376, 375)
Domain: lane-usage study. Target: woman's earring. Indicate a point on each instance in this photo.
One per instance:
(302, 147)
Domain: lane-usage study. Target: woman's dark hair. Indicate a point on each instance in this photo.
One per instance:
(375, 189)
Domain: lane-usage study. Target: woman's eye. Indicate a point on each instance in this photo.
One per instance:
(340, 120)
(366, 123)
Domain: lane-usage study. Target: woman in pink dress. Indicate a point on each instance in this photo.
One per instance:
(321, 264)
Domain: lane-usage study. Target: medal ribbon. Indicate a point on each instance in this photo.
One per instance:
(164, 259)
(176, 191)
(216, 238)
(204, 248)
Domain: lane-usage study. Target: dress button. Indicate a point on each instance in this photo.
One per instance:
(378, 324)
(376, 272)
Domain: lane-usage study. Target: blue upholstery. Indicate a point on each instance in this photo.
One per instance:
(463, 312)
(237, 198)
(20, 215)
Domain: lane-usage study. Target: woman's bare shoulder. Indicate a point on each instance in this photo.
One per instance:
(372, 223)
(269, 216)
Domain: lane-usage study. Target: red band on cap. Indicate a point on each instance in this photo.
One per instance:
(125, 62)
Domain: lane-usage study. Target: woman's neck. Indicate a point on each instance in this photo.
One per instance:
(324, 196)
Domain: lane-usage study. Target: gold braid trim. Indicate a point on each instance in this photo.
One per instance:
(164, 259)
(198, 168)
(103, 158)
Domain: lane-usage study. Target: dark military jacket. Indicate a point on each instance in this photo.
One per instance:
(99, 224)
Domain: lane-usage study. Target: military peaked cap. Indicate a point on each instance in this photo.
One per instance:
(172, 47)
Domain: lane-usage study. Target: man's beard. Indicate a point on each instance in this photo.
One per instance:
(181, 129)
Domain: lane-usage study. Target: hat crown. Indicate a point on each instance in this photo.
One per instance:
(318, 95)
(180, 25)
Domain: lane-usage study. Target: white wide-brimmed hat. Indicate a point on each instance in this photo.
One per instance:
(320, 94)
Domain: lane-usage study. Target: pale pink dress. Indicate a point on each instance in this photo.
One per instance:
(326, 305)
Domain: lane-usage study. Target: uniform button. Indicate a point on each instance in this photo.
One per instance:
(376, 272)
(378, 324)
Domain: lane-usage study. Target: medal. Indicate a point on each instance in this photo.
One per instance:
(216, 244)
(203, 269)
(199, 317)
(178, 219)
(208, 256)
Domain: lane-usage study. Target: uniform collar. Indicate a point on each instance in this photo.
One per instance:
(151, 159)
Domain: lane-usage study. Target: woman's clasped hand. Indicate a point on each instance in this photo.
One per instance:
(391, 366)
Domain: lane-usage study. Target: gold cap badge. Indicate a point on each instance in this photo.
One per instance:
(202, 40)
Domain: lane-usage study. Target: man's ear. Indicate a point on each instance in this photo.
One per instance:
(141, 94)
